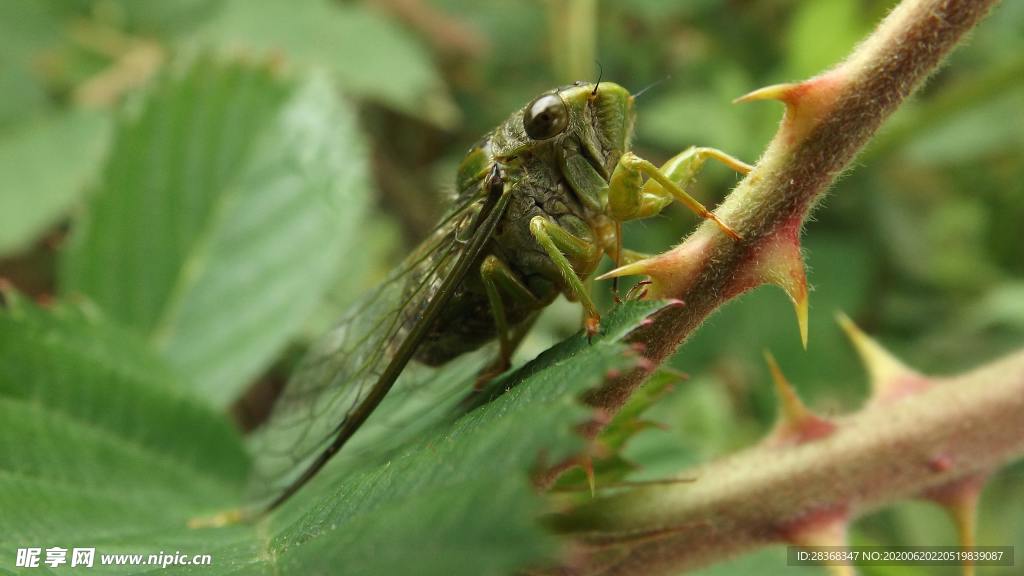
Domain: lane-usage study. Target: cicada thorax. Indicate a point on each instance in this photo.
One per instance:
(537, 188)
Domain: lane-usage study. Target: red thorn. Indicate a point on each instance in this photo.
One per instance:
(940, 463)
(958, 490)
(823, 527)
(612, 374)
(645, 364)
(673, 271)
(639, 347)
(796, 423)
(891, 379)
(805, 101)
(960, 499)
(814, 429)
(675, 303)
(778, 260)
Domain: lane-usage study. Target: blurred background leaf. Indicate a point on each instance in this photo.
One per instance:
(39, 193)
(223, 214)
(370, 56)
(822, 33)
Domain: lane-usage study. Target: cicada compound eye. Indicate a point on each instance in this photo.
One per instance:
(545, 117)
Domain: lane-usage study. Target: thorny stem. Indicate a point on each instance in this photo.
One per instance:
(958, 429)
(828, 120)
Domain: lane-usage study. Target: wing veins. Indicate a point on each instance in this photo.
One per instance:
(487, 218)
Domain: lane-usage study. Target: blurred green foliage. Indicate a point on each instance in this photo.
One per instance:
(921, 243)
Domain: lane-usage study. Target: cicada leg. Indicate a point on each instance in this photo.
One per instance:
(498, 278)
(630, 197)
(558, 242)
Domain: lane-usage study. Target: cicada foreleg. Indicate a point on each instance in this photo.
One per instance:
(630, 197)
(558, 243)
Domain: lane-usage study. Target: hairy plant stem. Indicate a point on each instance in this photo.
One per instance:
(954, 431)
(877, 456)
(828, 120)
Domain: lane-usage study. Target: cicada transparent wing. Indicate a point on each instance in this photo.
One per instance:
(347, 373)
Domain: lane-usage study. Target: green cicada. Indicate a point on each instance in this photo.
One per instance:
(540, 200)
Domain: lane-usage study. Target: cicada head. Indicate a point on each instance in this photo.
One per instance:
(597, 118)
(601, 117)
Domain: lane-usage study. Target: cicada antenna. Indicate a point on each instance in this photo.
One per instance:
(652, 85)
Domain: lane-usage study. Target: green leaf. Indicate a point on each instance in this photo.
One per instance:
(370, 55)
(47, 162)
(223, 215)
(461, 490)
(100, 446)
(103, 451)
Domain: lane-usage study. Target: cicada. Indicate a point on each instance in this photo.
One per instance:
(539, 202)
